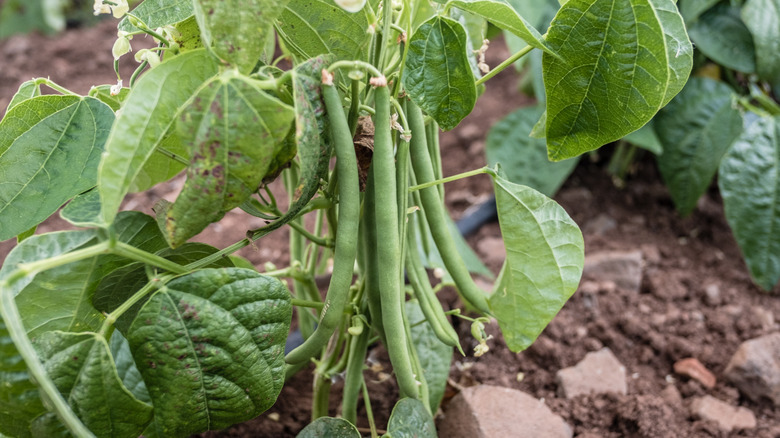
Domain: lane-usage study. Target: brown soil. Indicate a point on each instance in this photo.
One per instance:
(671, 318)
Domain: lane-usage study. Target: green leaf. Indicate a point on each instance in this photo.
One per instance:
(50, 147)
(410, 419)
(23, 16)
(438, 77)
(696, 129)
(545, 255)
(39, 247)
(523, 158)
(232, 128)
(20, 402)
(158, 13)
(503, 15)
(691, 10)
(720, 34)
(329, 427)
(27, 90)
(210, 346)
(189, 35)
(311, 28)
(126, 369)
(435, 356)
(646, 138)
(236, 30)
(161, 166)
(29, 233)
(84, 210)
(81, 366)
(620, 62)
(150, 111)
(121, 284)
(762, 18)
(749, 180)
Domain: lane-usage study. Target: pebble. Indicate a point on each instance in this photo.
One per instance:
(712, 294)
(694, 369)
(727, 417)
(622, 268)
(487, 411)
(755, 368)
(599, 372)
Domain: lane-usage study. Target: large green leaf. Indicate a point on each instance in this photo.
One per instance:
(762, 17)
(646, 138)
(720, 34)
(84, 210)
(749, 180)
(27, 90)
(438, 77)
(696, 129)
(310, 28)
(503, 15)
(161, 166)
(81, 366)
(50, 147)
(236, 30)
(210, 347)
(231, 128)
(329, 427)
(435, 356)
(148, 115)
(20, 403)
(524, 159)
(410, 419)
(545, 255)
(158, 13)
(620, 62)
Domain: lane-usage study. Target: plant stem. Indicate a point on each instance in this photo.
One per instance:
(55, 87)
(139, 255)
(355, 65)
(369, 411)
(328, 243)
(479, 171)
(138, 296)
(500, 67)
(304, 303)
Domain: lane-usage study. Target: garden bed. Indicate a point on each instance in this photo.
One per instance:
(695, 297)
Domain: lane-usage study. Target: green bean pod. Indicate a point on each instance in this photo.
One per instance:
(436, 216)
(429, 303)
(389, 246)
(353, 379)
(370, 265)
(347, 237)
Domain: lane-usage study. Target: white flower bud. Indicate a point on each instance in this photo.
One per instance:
(351, 5)
(149, 56)
(116, 89)
(99, 8)
(120, 9)
(121, 46)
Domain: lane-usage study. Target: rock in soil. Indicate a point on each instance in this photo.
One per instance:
(599, 372)
(755, 368)
(727, 417)
(622, 268)
(487, 411)
(691, 367)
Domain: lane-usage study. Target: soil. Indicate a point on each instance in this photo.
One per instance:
(670, 318)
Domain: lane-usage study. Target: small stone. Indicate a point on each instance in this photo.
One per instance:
(764, 317)
(487, 411)
(652, 254)
(599, 372)
(671, 395)
(622, 268)
(599, 225)
(694, 369)
(755, 368)
(727, 417)
(712, 294)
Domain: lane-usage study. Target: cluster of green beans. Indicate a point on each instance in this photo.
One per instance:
(374, 231)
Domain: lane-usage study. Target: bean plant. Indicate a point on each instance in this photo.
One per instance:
(124, 327)
(724, 122)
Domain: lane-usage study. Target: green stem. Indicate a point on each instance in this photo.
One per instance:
(138, 296)
(304, 303)
(327, 243)
(139, 255)
(137, 72)
(500, 67)
(355, 65)
(31, 268)
(205, 261)
(55, 87)
(474, 172)
(369, 411)
(137, 22)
